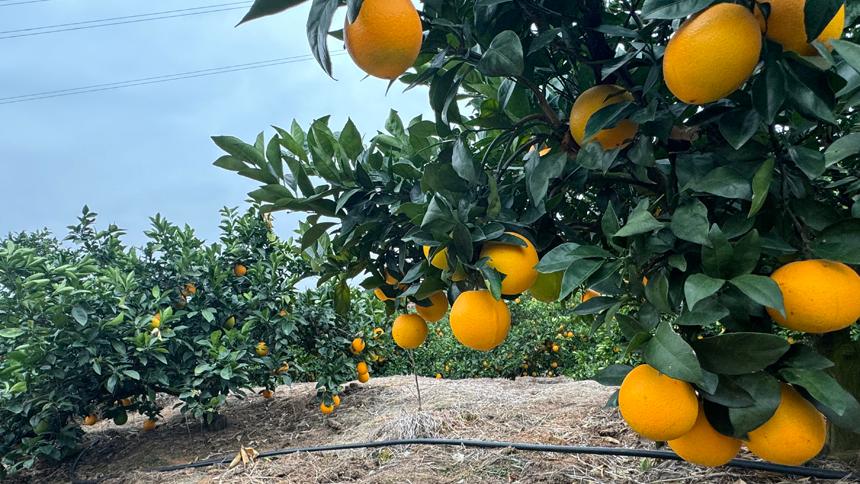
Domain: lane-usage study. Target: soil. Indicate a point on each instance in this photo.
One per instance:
(534, 410)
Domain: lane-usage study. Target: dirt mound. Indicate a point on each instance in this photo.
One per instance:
(535, 410)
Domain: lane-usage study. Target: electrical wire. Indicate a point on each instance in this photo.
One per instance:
(111, 19)
(157, 79)
(563, 449)
(130, 19)
(22, 3)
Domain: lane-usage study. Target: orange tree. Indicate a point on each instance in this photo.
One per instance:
(668, 156)
(93, 329)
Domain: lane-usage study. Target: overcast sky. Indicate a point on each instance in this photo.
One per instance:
(131, 153)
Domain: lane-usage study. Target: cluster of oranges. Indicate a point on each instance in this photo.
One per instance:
(709, 57)
(363, 371)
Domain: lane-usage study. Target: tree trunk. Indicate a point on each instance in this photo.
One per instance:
(841, 443)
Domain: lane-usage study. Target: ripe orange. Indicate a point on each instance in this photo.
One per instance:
(554, 364)
(437, 308)
(479, 321)
(793, 435)
(239, 270)
(335, 399)
(262, 349)
(91, 419)
(705, 446)
(364, 377)
(656, 406)
(148, 425)
(125, 402)
(385, 38)
(377, 332)
(820, 296)
(267, 393)
(712, 54)
(547, 287)
(593, 100)
(190, 289)
(284, 368)
(786, 25)
(155, 323)
(357, 345)
(515, 262)
(589, 294)
(438, 376)
(282, 313)
(389, 279)
(440, 261)
(409, 331)
(555, 348)
(381, 295)
(361, 367)
(326, 409)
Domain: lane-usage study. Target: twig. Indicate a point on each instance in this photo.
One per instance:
(415, 374)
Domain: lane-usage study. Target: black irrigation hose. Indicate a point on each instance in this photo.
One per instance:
(562, 449)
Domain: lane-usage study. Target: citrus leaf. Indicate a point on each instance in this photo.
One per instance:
(740, 353)
(262, 8)
(504, 56)
(700, 286)
(672, 356)
(671, 9)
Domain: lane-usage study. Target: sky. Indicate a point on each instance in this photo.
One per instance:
(131, 153)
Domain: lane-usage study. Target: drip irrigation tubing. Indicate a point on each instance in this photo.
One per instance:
(799, 471)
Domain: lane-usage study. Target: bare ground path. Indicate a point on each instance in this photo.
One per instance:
(535, 410)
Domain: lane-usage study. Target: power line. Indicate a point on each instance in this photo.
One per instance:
(111, 19)
(132, 21)
(158, 79)
(22, 3)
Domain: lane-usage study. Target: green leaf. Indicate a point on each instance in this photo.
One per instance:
(769, 88)
(80, 315)
(729, 394)
(817, 14)
(612, 375)
(725, 181)
(672, 356)
(240, 150)
(131, 374)
(690, 222)
(802, 356)
(763, 290)
(576, 274)
(657, 292)
(640, 221)
(806, 100)
(350, 140)
(761, 186)
(672, 9)
(314, 232)
(705, 313)
(810, 162)
(608, 117)
(540, 170)
(739, 126)
(504, 57)
(463, 163)
(843, 148)
(840, 242)
(822, 387)
(342, 299)
(765, 392)
(595, 305)
(740, 353)
(10, 333)
(319, 23)
(262, 8)
(849, 51)
(228, 162)
(562, 256)
(700, 286)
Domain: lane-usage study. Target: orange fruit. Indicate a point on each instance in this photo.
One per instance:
(326, 409)
(381, 295)
(793, 435)
(385, 38)
(409, 331)
(282, 313)
(705, 446)
(91, 419)
(438, 376)
(267, 393)
(593, 100)
(555, 348)
(437, 308)
(656, 406)
(712, 54)
(361, 367)
(389, 279)
(589, 294)
(364, 377)
(155, 323)
(335, 399)
(554, 364)
(787, 26)
(480, 321)
(357, 345)
(125, 402)
(440, 261)
(820, 296)
(377, 332)
(515, 262)
(547, 287)
(149, 424)
(239, 270)
(262, 349)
